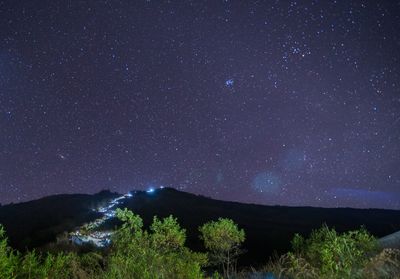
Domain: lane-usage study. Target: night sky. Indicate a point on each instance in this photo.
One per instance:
(271, 102)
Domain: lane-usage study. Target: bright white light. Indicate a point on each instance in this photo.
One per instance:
(103, 209)
(161, 187)
(150, 190)
(110, 214)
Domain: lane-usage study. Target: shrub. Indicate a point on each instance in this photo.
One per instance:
(158, 253)
(8, 258)
(386, 264)
(327, 254)
(223, 239)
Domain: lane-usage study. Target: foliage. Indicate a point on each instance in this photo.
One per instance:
(58, 266)
(297, 243)
(327, 254)
(33, 265)
(8, 258)
(158, 253)
(386, 264)
(30, 266)
(91, 264)
(136, 253)
(338, 254)
(223, 239)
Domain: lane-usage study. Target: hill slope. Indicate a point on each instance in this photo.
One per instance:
(268, 228)
(35, 223)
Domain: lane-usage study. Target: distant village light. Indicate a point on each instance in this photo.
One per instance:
(150, 190)
(91, 234)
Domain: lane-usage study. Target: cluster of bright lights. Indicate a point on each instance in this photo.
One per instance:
(152, 189)
(102, 239)
(98, 238)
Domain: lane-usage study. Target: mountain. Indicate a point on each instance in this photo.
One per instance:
(268, 228)
(35, 223)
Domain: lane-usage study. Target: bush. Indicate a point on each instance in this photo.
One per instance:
(33, 265)
(386, 264)
(158, 253)
(8, 258)
(327, 254)
(223, 239)
(136, 253)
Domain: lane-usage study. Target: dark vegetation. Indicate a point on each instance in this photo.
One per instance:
(268, 228)
(160, 252)
(205, 238)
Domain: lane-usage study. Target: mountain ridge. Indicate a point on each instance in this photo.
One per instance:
(268, 228)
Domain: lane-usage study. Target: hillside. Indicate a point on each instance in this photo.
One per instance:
(268, 228)
(35, 223)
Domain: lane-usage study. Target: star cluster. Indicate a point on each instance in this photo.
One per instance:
(272, 102)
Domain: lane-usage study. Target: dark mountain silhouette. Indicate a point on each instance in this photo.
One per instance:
(268, 228)
(35, 223)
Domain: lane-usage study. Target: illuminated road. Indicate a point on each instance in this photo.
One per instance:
(88, 233)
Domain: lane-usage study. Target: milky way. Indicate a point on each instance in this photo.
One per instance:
(290, 103)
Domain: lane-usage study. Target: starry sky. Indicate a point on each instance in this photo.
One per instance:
(270, 102)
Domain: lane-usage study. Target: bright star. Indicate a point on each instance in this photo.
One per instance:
(229, 82)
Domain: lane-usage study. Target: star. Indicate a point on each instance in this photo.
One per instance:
(61, 156)
(229, 82)
(138, 100)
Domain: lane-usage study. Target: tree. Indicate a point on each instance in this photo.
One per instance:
(223, 239)
(8, 258)
(157, 253)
